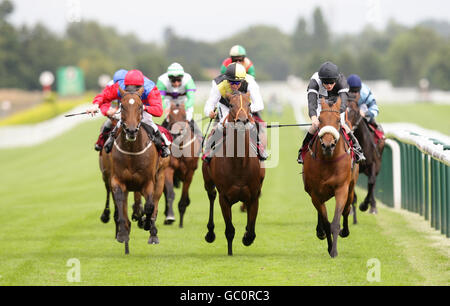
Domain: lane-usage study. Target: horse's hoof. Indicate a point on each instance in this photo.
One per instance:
(363, 206)
(248, 239)
(153, 240)
(169, 220)
(333, 253)
(105, 218)
(344, 233)
(147, 225)
(321, 235)
(373, 210)
(123, 237)
(210, 237)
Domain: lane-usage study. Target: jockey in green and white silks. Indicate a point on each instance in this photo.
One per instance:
(177, 86)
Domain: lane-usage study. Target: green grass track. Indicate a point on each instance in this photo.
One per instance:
(52, 195)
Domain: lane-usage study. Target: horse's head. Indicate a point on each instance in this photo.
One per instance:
(353, 114)
(330, 124)
(239, 107)
(132, 110)
(177, 118)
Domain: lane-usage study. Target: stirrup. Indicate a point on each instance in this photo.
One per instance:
(165, 151)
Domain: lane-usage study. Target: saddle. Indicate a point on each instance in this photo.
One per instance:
(377, 133)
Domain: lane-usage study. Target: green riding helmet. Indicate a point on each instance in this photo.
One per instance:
(175, 70)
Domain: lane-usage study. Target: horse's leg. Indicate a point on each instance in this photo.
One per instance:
(320, 231)
(185, 201)
(372, 181)
(159, 187)
(252, 212)
(212, 193)
(106, 212)
(138, 211)
(120, 198)
(229, 228)
(341, 196)
(348, 207)
(169, 195)
(149, 205)
(355, 200)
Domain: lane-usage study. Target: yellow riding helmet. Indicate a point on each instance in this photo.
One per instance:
(235, 72)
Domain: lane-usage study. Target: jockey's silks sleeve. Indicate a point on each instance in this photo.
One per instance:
(153, 104)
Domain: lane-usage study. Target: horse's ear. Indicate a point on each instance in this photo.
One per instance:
(140, 92)
(247, 96)
(229, 95)
(322, 102)
(122, 92)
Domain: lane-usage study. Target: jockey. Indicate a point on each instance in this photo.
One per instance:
(235, 78)
(119, 76)
(177, 86)
(328, 82)
(151, 98)
(238, 55)
(368, 107)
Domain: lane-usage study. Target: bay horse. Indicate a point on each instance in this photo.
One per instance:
(133, 165)
(237, 175)
(329, 171)
(372, 151)
(185, 148)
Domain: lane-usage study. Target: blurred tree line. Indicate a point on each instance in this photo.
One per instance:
(398, 53)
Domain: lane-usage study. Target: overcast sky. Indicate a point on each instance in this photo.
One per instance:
(209, 20)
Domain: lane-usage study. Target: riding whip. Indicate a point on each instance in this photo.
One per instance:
(285, 125)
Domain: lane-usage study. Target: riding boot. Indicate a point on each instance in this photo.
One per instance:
(254, 133)
(157, 139)
(102, 138)
(307, 139)
(357, 148)
(110, 141)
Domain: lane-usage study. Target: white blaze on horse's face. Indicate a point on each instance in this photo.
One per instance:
(131, 101)
(175, 111)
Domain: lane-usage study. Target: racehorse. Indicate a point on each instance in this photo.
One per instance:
(133, 165)
(330, 171)
(185, 148)
(372, 151)
(238, 177)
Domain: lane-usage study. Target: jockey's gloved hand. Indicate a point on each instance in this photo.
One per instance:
(93, 110)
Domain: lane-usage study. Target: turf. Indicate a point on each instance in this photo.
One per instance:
(52, 195)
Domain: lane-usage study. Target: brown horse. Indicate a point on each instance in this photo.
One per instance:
(238, 176)
(329, 171)
(372, 151)
(133, 165)
(105, 167)
(185, 148)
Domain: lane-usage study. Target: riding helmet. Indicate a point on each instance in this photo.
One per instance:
(175, 69)
(328, 72)
(238, 50)
(134, 77)
(354, 81)
(119, 75)
(235, 72)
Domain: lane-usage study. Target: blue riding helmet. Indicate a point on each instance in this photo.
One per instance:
(354, 81)
(119, 75)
